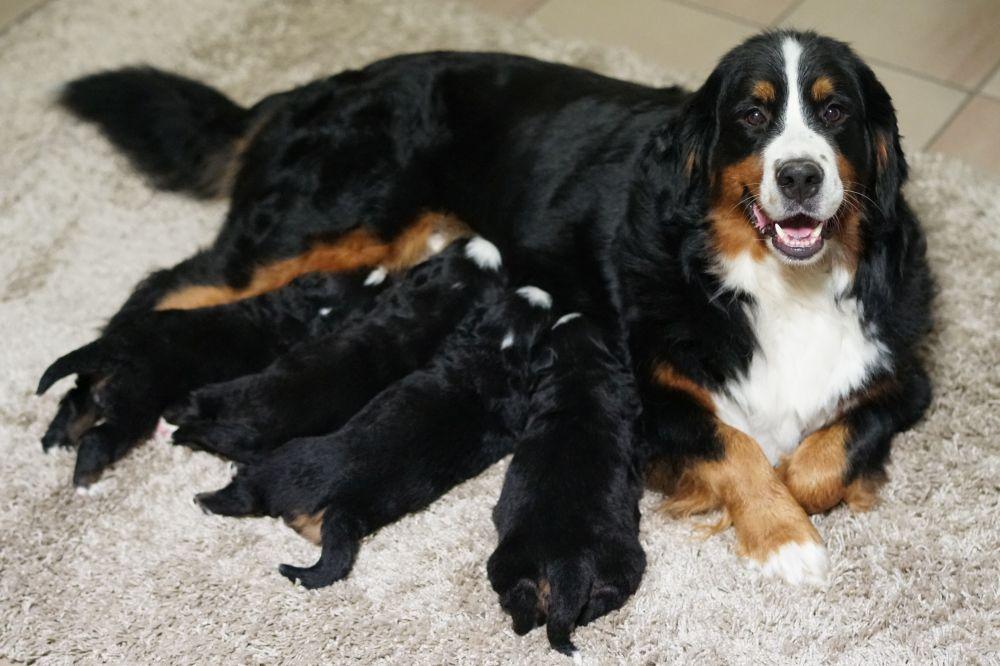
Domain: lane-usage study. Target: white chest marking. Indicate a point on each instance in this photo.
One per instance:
(812, 351)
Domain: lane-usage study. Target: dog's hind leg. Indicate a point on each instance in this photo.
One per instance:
(340, 538)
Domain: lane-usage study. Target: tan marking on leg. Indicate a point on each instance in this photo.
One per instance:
(356, 249)
(814, 472)
(309, 526)
(544, 595)
(764, 91)
(733, 233)
(762, 510)
(665, 375)
(862, 493)
(822, 88)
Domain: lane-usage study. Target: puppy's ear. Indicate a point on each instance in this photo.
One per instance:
(885, 152)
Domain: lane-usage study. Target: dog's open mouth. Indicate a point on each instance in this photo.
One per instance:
(798, 237)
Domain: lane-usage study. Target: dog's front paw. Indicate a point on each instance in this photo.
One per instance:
(222, 418)
(563, 588)
(797, 563)
(784, 547)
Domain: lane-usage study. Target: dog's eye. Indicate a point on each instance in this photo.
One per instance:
(754, 117)
(834, 114)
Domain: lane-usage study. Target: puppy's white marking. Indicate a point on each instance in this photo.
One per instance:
(484, 253)
(538, 298)
(566, 318)
(812, 351)
(376, 277)
(798, 564)
(798, 141)
(325, 311)
(508, 340)
(165, 428)
(436, 242)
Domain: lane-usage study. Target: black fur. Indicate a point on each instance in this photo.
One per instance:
(594, 189)
(434, 428)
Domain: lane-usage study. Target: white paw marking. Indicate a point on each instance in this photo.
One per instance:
(325, 311)
(566, 318)
(798, 563)
(94, 489)
(377, 276)
(165, 429)
(508, 340)
(484, 253)
(538, 298)
(436, 242)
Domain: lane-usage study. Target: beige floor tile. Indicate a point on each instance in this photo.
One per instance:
(761, 12)
(922, 107)
(954, 41)
(992, 87)
(515, 9)
(11, 9)
(677, 36)
(974, 135)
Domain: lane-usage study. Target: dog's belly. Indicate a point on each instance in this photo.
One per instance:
(813, 353)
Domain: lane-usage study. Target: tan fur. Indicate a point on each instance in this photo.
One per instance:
(814, 472)
(733, 234)
(666, 376)
(309, 526)
(822, 88)
(755, 501)
(764, 91)
(356, 249)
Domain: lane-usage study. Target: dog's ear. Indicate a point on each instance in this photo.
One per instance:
(888, 164)
(684, 145)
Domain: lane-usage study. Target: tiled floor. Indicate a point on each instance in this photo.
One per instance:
(940, 59)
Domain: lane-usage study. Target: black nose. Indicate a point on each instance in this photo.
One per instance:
(799, 179)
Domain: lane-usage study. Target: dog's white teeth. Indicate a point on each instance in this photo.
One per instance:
(817, 231)
(781, 232)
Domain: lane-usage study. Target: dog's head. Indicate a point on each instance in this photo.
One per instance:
(797, 144)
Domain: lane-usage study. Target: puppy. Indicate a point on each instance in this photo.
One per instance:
(323, 382)
(563, 466)
(422, 435)
(141, 365)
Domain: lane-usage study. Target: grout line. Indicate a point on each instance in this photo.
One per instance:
(786, 12)
(986, 79)
(948, 121)
(718, 13)
(19, 18)
(929, 78)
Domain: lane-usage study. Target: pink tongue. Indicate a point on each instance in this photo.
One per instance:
(798, 232)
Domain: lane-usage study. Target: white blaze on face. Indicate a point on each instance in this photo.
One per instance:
(798, 141)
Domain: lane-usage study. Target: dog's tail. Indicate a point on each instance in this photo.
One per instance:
(183, 135)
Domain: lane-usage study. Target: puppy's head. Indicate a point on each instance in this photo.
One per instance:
(797, 143)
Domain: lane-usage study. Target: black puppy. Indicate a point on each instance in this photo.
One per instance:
(321, 383)
(141, 365)
(564, 467)
(419, 437)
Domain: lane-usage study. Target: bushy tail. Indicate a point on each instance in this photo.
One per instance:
(180, 133)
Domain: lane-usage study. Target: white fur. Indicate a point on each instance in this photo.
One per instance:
(798, 564)
(538, 298)
(325, 311)
(484, 253)
(566, 318)
(812, 351)
(508, 340)
(376, 277)
(436, 242)
(798, 141)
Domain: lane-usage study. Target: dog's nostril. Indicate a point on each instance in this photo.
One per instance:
(799, 179)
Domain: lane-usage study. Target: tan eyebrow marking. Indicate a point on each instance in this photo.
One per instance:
(822, 88)
(764, 91)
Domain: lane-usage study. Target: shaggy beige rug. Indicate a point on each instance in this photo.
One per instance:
(136, 573)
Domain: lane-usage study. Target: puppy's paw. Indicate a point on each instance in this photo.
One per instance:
(797, 563)
(565, 591)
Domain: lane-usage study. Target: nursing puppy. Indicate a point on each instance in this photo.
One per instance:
(322, 382)
(415, 440)
(142, 365)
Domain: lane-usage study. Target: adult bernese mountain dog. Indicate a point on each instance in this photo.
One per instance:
(739, 284)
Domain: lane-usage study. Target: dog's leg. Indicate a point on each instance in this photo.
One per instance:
(340, 538)
(845, 461)
(567, 518)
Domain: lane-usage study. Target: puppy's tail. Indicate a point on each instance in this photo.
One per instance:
(183, 135)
